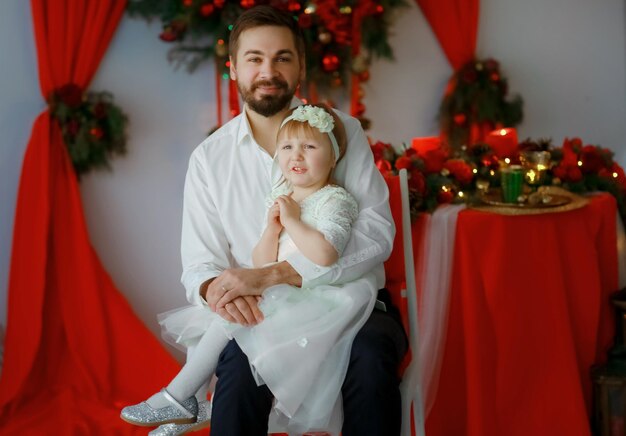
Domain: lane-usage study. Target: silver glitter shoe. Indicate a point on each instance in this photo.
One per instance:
(204, 420)
(177, 413)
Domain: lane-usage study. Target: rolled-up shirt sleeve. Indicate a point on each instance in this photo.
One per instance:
(372, 234)
(204, 246)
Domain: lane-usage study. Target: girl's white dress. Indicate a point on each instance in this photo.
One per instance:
(302, 348)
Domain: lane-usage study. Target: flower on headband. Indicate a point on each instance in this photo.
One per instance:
(315, 116)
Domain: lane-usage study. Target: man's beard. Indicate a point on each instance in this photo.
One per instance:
(267, 105)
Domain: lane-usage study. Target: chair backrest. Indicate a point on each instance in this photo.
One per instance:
(410, 388)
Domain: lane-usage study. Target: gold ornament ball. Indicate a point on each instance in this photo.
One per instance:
(325, 37)
(221, 50)
(360, 64)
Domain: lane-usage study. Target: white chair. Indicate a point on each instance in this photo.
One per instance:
(410, 387)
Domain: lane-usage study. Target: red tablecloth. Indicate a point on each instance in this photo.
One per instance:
(529, 315)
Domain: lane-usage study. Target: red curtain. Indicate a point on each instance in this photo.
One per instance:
(74, 350)
(455, 24)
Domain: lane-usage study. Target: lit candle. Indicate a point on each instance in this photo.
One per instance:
(503, 142)
(425, 144)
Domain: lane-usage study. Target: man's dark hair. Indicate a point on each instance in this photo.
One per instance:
(264, 15)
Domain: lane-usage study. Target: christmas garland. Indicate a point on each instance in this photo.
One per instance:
(341, 35)
(441, 175)
(476, 103)
(93, 128)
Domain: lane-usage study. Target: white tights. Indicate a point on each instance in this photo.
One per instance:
(198, 370)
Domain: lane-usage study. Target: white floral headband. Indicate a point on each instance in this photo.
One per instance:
(318, 118)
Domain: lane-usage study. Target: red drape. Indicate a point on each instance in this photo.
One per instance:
(74, 351)
(455, 24)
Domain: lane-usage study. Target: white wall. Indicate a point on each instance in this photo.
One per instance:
(565, 57)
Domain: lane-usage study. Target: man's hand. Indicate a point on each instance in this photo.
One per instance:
(233, 283)
(241, 282)
(242, 310)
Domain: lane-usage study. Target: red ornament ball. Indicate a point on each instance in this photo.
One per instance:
(360, 109)
(460, 119)
(330, 62)
(247, 4)
(219, 3)
(379, 10)
(293, 6)
(207, 9)
(96, 132)
(364, 76)
(188, 3)
(494, 77)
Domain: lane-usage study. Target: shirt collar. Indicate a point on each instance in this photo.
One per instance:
(245, 131)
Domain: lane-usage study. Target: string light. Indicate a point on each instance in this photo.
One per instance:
(475, 171)
(580, 163)
(507, 160)
(461, 194)
(492, 172)
(615, 175)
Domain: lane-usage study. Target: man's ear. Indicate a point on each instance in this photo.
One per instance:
(233, 70)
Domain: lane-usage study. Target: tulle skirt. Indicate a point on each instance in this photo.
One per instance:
(300, 350)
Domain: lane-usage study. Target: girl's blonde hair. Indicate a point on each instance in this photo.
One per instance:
(298, 128)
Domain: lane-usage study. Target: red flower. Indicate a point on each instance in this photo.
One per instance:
(417, 182)
(574, 144)
(445, 196)
(460, 170)
(404, 162)
(71, 95)
(574, 174)
(410, 152)
(592, 159)
(434, 160)
(615, 173)
(382, 150)
(570, 153)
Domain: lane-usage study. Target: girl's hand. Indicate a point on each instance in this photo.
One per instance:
(273, 219)
(289, 210)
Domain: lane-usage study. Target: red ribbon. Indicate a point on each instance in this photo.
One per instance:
(233, 98)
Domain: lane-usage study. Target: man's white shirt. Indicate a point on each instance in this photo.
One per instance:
(228, 181)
